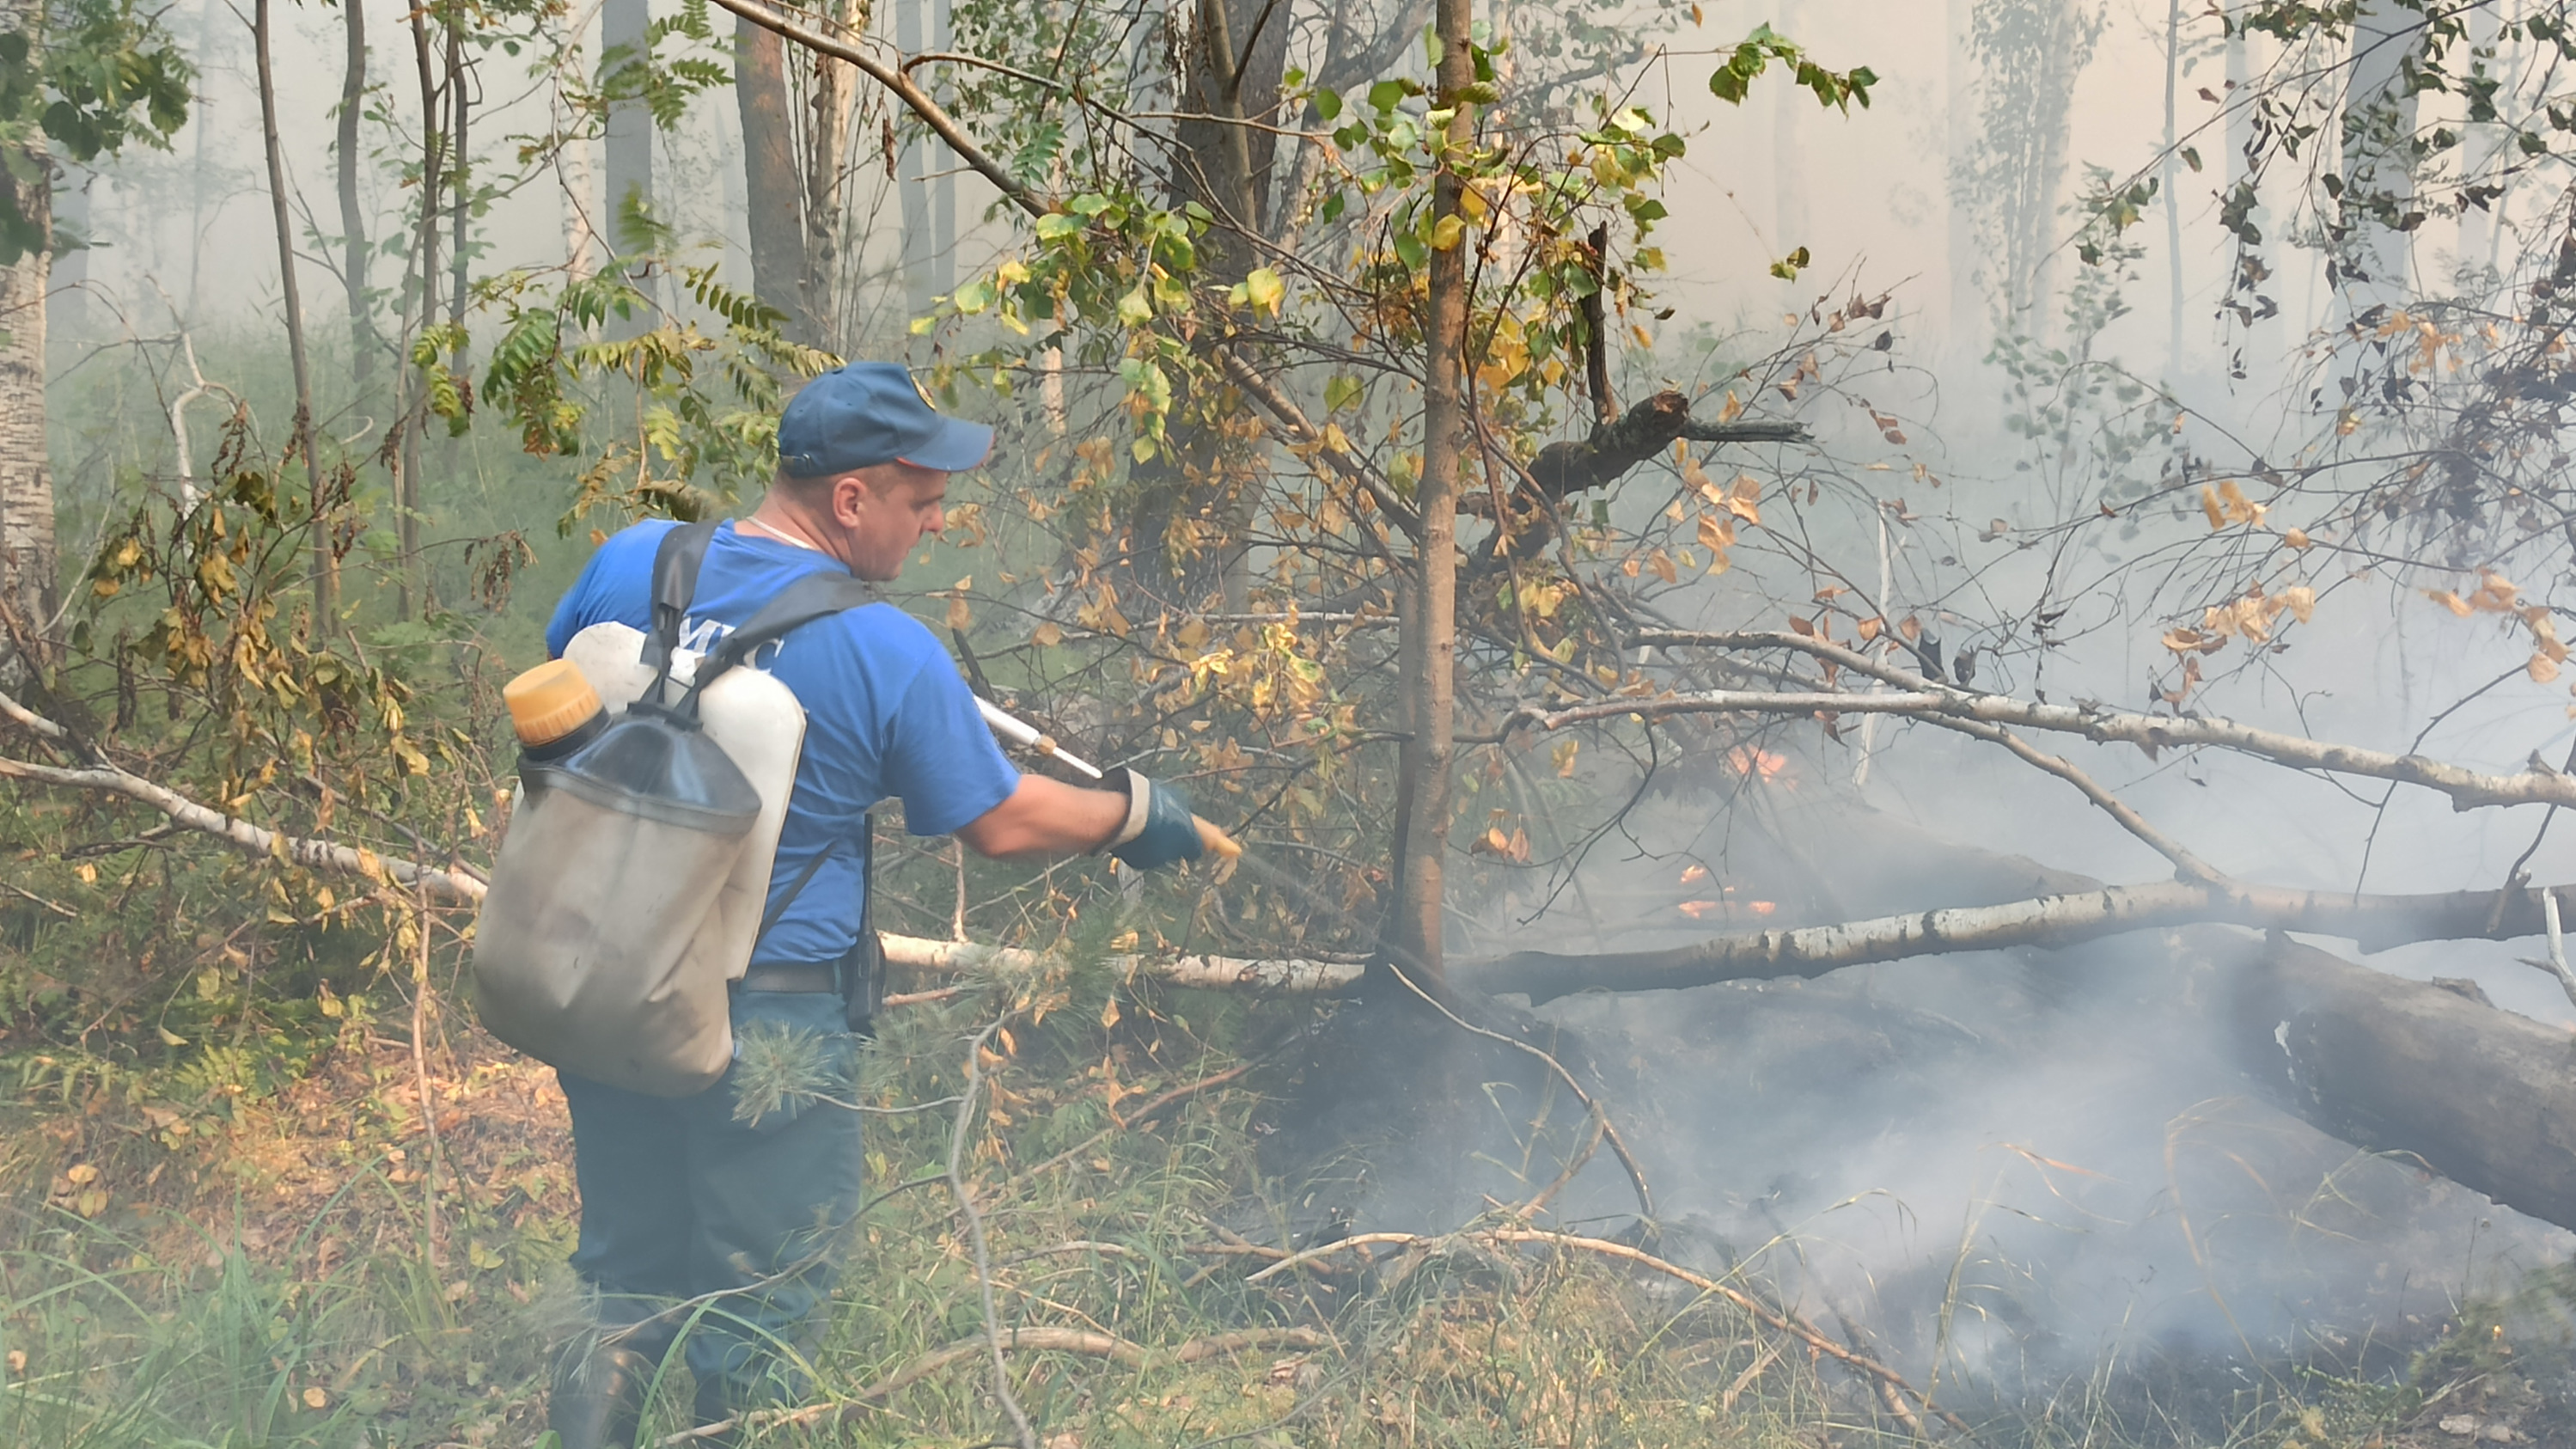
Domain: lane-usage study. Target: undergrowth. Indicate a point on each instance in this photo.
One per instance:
(309, 1266)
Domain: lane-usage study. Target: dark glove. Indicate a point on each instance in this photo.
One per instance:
(1159, 829)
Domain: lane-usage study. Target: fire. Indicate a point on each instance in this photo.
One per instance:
(1752, 761)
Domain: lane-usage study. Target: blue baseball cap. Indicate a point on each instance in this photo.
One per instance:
(869, 413)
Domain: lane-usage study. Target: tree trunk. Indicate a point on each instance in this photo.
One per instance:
(29, 568)
(929, 203)
(326, 558)
(355, 253)
(1430, 638)
(2378, 123)
(2483, 1096)
(1789, 105)
(419, 306)
(826, 149)
(1232, 73)
(630, 124)
(775, 193)
(2172, 187)
(459, 173)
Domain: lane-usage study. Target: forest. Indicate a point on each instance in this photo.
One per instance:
(1888, 674)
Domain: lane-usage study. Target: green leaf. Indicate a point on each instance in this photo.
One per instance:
(1136, 308)
(1057, 225)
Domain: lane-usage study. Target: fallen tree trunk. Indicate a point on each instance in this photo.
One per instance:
(2480, 1095)
(2375, 921)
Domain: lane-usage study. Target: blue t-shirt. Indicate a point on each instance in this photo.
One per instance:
(885, 714)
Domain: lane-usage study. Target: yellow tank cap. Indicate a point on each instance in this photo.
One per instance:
(549, 702)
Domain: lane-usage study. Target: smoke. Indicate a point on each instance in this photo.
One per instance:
(2007, 1169)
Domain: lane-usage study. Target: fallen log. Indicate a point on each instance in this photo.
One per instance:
(2375, 921)
(2482, 1096)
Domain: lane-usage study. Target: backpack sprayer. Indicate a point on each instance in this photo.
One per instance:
(1029, 737)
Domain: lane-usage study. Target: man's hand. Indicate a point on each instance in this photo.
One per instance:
(1159, 828)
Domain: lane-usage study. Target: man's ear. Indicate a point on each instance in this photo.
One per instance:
(849, 499)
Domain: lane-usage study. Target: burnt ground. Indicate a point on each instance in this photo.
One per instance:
(2040, 1172)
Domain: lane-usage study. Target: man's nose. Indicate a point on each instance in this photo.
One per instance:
(938, 521)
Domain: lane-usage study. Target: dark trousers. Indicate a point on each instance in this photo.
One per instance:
(701, 1229)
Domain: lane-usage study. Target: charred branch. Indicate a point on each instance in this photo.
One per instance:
(1612, 449)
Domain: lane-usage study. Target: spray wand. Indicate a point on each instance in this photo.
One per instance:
(1029, 737)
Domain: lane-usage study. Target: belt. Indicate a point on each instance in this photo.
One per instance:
(812, 977)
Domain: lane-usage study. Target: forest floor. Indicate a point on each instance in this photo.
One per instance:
(310, 1264)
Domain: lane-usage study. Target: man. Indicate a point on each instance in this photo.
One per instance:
(696, 1225)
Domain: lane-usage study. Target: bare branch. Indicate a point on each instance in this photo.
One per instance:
(2375, 921)
(893, 78)
(2468, 789)
(252, 839)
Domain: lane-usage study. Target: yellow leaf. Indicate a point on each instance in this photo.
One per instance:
(1867, 629)
(2296, 538)
(1265, 289)
(2543, 668)
(1563, 754)
(2450, 601)
(1716, 532)
(314, 1398)
(81, 1174)
(1047, 635)
(2300, 600)
(1445, 233)
(959, 616)
(2209, 505)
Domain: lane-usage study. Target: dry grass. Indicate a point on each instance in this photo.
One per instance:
(258, 1269)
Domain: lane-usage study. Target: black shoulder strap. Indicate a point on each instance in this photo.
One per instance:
(675, 582)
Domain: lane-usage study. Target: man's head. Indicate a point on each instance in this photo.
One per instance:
(863, 465)
(868, 518)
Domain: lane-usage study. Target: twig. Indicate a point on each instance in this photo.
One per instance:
(1036, 1340)
(1779, 1319)
(1618, 1144)
(420, 1077)
(975, 1233)
(2188, 865)
(1118, 1124)
(1573, 1167)
(2556, 965)
(64, 911)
